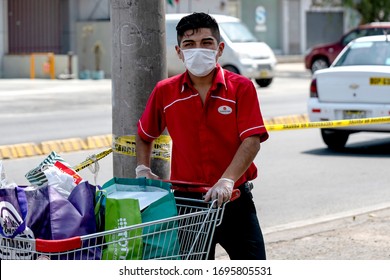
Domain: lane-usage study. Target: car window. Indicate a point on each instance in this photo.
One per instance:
(366, 53)
(376, 31)
(382, 53)
(353, 35)
(237, 32)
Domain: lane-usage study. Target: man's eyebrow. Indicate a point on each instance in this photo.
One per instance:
(203, 39)
(187, 40)
(208, 39)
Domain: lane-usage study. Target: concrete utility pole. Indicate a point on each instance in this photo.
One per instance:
(138, 63)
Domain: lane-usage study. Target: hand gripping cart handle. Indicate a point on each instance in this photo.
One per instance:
(197, 187)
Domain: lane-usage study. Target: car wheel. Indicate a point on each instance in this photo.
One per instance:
(231, 69)
(319, 63)
(263, 82)
(334, 139)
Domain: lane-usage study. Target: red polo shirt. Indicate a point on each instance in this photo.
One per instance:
(205, 137)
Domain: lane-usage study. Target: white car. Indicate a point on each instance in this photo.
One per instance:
(357, 85)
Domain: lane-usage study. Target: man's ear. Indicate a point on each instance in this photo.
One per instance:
(221, 47)
(179, 53)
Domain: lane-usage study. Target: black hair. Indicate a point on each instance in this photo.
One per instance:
(196, 21)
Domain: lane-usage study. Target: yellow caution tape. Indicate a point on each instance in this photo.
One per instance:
(328, 124)
(162, 145)
(92, 159)
(126, 145)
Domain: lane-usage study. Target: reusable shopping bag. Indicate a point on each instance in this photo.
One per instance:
(115, 211)
(156, 202)
(46, 214)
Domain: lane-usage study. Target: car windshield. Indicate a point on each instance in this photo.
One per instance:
(366, 53)
(237, 32)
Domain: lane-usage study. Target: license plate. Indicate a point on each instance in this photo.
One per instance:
(263, 73)
(352, 114)
(379, 81)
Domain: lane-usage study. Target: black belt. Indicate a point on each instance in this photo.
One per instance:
(246, 187)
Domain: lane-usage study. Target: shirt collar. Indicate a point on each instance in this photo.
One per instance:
(219, 78)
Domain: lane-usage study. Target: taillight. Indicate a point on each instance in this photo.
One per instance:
(313, 88)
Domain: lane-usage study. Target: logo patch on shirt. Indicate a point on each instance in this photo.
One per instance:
(225, 110)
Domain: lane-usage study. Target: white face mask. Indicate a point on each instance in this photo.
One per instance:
(200, 62)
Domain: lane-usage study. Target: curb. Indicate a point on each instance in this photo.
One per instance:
(61, 146)
(327, 221)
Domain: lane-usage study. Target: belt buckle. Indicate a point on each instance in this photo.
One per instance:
(248, 186)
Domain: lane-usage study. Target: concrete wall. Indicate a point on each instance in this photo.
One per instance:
(263, 17)
(88, 34)
(18, 66)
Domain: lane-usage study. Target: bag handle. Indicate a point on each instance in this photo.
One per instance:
(100, 208)
(22, 200)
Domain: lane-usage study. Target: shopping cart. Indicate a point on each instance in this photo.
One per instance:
(185, 237)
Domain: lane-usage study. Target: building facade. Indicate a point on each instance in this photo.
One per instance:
(77, 27)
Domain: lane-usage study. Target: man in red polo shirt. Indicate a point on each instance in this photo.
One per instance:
(213, 117)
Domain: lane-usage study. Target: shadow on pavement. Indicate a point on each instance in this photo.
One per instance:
(372, 148)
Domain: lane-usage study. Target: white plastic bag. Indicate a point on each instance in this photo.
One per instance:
(61, 177)
(4, 182)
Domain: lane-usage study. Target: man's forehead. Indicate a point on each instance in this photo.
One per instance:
(201, 33)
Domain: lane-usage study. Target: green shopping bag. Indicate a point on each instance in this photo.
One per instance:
(114, 211)
(156, 202)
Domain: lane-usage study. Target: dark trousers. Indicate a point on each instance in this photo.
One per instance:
(239, 233)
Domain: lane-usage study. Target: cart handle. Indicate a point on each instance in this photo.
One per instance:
(56, 246)
(235, 194)
(197, 187)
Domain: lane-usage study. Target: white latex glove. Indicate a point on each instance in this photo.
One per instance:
(222, 191)
(144, 171)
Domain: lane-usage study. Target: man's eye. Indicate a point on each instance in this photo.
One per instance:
(207, 43)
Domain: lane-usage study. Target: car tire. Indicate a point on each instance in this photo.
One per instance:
(263, 82)
(334, 139)
(319, 63)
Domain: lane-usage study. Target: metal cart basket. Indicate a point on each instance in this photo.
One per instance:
(187, 237)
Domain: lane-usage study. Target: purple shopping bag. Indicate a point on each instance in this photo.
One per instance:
(51, 216)
(13, 212)
(13, 215)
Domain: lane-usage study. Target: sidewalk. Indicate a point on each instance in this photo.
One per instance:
(364, 236)
(291, 67)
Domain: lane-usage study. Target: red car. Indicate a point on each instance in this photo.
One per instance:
(322, 56)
